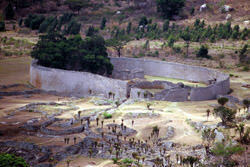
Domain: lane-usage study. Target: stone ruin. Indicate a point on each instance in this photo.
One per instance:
(126, 74)
(123, 85)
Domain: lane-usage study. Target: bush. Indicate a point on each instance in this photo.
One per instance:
(107, 115)
(203, 52)
(143, 21)
(169, 8)
(9, 160)
(2, 26)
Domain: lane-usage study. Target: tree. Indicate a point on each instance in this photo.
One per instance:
(103, 24)
(143, 21)
(246, 103)
(169, 8)
(208, 136)
(203, 52)
(227, 115)
(76, 5)
(240, 128)
(186, 37)
(117, 43)
(208, 113)
(90, 54)
(243, 55)
(222, 100)
(2, 26)
(10, 160)
(171, 41)
(73, 28)
(9, 12)
(91, 31)
(166, 25)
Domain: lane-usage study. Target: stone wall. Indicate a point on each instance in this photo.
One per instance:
(75, 83)
(80, 83)
(221, 86)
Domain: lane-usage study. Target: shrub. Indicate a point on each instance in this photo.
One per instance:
(143, 21)
(226, 151)
(169, 8)
(2, 26)
(245, 68)
(203, 52)
(9, 160)
(107, 115)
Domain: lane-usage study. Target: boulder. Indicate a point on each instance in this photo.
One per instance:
(229, 17)
(203, 7)
(246, 23)
(226, 8)
(167, 145)
(219, 136)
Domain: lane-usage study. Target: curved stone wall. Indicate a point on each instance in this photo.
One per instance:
(181, 71)
(80, 83)
(75, 83)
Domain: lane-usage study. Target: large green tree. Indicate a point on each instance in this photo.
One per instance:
(169, 8)
(54, 50)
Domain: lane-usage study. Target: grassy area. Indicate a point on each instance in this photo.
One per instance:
(154, 78)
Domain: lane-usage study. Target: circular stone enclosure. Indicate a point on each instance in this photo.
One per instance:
(81, 84)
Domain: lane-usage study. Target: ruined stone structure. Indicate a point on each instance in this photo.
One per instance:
(73, 83)
(82, 84)
(126, 74)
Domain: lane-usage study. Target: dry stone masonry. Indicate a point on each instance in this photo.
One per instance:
(82, 84)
